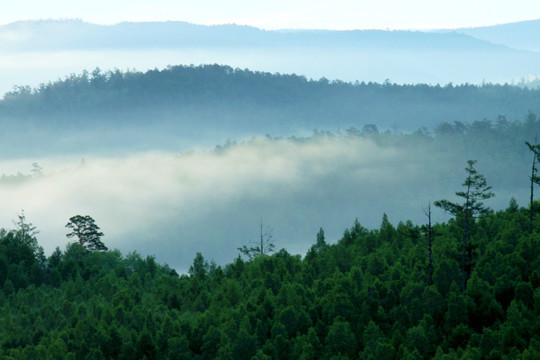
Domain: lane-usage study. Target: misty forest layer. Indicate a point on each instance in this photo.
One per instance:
(295, 184)
(100, 96)
(182, 105)
(375, 294)
(196, 101)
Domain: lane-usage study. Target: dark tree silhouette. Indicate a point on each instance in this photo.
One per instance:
(476, 190)
(321, 242)
(26, 230)
(263, 246)
(428, 230)
(87, 232)
(535, 179)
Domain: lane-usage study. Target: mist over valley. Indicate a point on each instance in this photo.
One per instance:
(211, 201)
(191, 158)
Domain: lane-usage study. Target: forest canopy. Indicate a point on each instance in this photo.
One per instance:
(369, 295)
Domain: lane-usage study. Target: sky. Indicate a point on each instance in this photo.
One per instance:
(284, 14)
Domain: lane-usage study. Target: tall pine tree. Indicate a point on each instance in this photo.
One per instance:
(476, 190)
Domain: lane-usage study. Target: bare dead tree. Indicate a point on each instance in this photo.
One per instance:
(262, 246)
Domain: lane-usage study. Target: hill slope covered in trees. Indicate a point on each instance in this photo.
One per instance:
(162, 108)
(367, 296)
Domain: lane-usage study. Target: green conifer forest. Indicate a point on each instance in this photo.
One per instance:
(371, 295)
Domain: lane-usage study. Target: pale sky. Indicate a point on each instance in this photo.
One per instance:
(283, 14)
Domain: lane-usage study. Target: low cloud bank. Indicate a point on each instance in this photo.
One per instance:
(173, 206)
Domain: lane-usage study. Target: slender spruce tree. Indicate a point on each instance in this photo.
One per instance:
(476, 191)
(428, 231)
(535, 179)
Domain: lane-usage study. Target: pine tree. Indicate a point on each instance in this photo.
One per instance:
(476, 190)
(86, 230)
(535, 179)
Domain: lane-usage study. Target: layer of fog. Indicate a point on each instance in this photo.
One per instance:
(173, 206)
(347, 64)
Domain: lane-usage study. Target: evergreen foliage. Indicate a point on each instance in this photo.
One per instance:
(476, 190)
(367, 296)
(86, 231)
(535, 179)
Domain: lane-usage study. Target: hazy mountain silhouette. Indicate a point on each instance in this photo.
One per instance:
(524, 35)
(75, 34)
(41, 51)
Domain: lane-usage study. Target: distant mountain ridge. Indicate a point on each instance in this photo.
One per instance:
(76, 34)
(34, 52)
(523, 35)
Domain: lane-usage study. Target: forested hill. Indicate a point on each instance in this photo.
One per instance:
(191, 97)
(368, 296)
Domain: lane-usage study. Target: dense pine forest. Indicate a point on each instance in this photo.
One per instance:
(387, 293)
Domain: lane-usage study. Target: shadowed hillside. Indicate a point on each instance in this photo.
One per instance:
(158, 109)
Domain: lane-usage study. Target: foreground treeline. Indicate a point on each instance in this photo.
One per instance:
(369, 296)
